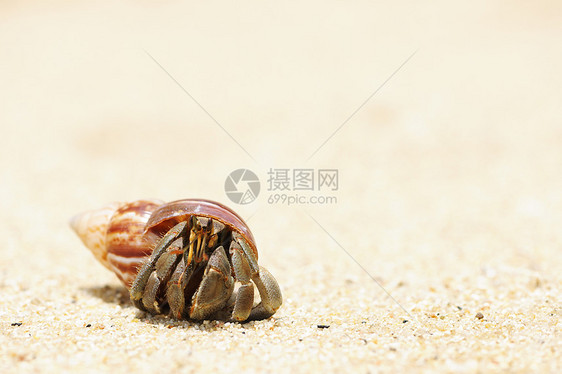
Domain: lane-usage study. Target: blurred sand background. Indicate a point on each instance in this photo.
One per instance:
(450, 179)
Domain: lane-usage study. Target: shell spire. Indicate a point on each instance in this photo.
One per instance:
(91, 228)
(115, 234)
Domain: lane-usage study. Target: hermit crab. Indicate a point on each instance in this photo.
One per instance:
(196, 259)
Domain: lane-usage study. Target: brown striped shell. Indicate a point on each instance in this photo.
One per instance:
(123, 235)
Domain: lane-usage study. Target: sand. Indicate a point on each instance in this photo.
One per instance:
(441, 253)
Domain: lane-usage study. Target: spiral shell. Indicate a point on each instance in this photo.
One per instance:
(115, 234)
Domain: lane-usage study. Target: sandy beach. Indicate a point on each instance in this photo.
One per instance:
(409, 159)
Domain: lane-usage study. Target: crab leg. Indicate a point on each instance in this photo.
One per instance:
(175, 294)
(269, 290)
(160, 276)
(138, 287)
(215, 288)
(242, 272)
(270, 294)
